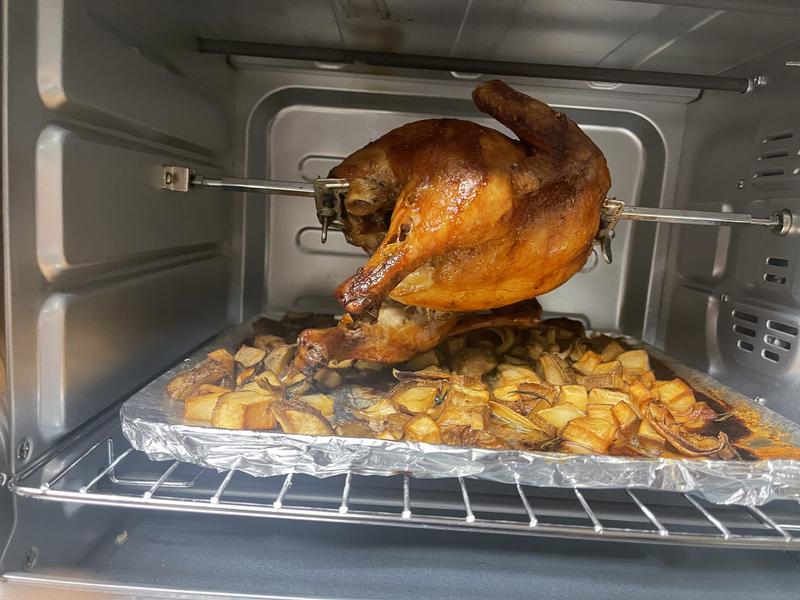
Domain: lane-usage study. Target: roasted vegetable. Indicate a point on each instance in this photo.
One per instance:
(556, 370)
(217, 367)
(575, 395)
(508, 374)
(559, 416)
(300, 418)
(248, 356)
(550, 391)
(200, 408)
(259, 415)
(414, 399)
(474, 417)
(231, 409)
(474, 362)
(635, 361)
(328, 378)
(532, 422)
(462, 396)
(612, 351)
(321, 402)
(588, 362)
(278, 359)
(422, 429)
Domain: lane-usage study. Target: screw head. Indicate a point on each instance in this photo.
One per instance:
(724, 297)
(29, 560)
(24, 449)
(740, 184)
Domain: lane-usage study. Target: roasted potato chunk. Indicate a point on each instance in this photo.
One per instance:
(328, 378)
(259, 415)
(323, 403)
(612, 351)
(231, 409)
(422, 429)
(559, 416)
(463, 396)
(575, 395)
(474, 417)
(278, 359)
(603, 396)
(248, 356)
(593, 434)
(635, 361)
(415, 399)
(510, 374)
(627, 418)
(300, 418)
(678, 396)
(588, 362)
(200, 408)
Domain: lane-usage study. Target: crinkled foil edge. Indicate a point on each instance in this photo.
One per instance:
(154, 425)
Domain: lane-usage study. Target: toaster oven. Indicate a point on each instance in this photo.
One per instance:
(109, 280)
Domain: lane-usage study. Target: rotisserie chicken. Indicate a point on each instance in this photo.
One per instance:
(458, 218)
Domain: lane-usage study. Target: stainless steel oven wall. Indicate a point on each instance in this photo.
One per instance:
(734, 294)
(108, 279)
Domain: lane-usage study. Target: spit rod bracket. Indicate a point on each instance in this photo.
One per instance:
(613, 211)
(328, 194)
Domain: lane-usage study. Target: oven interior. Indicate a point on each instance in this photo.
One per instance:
(109, 280)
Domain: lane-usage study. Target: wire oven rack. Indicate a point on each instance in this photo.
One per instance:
(98, 466)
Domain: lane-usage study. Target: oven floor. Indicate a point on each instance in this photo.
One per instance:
(313, 560)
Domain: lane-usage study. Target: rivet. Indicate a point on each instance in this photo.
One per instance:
(740, 184)
(724, 297)
(30, 559)
(24, 449)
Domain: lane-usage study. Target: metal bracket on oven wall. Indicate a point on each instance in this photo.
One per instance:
(328, 194)
(613, 211)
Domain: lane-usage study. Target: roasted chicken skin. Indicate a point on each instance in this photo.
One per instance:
(459, 217)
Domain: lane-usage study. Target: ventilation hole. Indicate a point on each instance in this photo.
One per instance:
(777, 262)
(742, 330)
(743, 316)
(773, 278)
(746, 346)
(785, 135)
(782, 327)
(767, 173)
(770, 355)
(777, 342)
(773, 154)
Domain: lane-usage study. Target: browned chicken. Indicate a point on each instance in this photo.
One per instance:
(459, 217)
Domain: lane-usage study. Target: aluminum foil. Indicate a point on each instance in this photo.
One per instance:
(155, 424)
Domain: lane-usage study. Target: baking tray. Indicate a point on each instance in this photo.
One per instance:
(155, 425)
